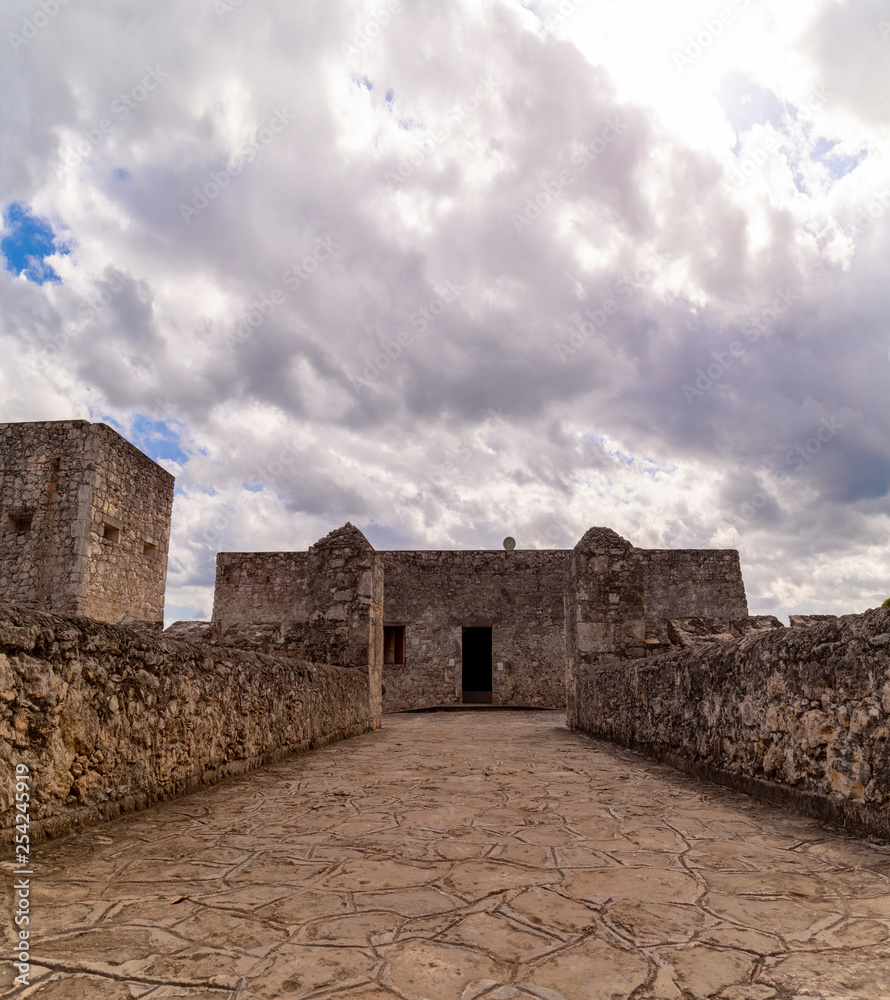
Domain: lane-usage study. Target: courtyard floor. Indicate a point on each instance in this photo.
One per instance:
(459, 855)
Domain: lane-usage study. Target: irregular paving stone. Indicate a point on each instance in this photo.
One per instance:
(704, 972)
(632, 878)
(438, 971)
(654, 923)
(594, 970)
(634, 883)
(546, 908)
(499, 937)
(82, 988)
(300, 969)
(851, 976)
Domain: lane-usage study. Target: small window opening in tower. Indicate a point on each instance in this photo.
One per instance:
(21, 523)
(110, 533)
(149, 548)
(393, 644)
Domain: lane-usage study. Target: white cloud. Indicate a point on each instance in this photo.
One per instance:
(755, 170)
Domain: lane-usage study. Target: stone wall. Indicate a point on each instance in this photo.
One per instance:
(110, 720)
(261, 587)
(345, 621)
(686, 583)
(518, 594)
(434, 594)
(127, 565)
(85, 522)
(43, 526)
(796, 715)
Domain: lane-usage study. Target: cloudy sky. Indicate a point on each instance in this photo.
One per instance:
(457, 269)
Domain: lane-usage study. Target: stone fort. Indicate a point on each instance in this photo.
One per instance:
(88, 529)
(652, 648)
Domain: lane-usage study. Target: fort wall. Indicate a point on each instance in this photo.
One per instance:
(518, 594)
(794, 715)
(85, 522)
(45, 512)
(109, 719)
(263, 599)
(261, 587)
(687, 583)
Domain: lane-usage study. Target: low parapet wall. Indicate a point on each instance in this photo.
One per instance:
(796, 715)
(108, 720)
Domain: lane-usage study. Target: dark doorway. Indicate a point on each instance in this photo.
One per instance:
(476, 665)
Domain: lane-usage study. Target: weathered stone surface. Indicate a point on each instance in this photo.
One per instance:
(518, 594)
(86, 523)
(799, 714)
(109, 720)
(164, 904)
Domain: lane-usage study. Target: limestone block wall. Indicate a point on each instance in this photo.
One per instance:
(261, 587)
(345, 621)
(798, 715)
(128, 535)
(435, 594)
(604, 607)
(686, 583)
(45, 508)
(85, 524)
(109, 719)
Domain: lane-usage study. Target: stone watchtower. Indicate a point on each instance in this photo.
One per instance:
(85, 523)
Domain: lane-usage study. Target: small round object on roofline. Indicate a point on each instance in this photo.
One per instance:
(509, 543)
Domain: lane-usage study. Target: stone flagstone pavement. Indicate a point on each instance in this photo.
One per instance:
(461, 855)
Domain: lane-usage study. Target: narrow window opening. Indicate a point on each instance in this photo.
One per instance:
(149, 548)
(21, 523)
(394, 644)
(111, 534)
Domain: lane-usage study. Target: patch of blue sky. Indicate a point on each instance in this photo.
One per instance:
(746, 104)
(839, 164)
(121, 174)
(27, 241)
(159, 439)
(646, 465)
(389, 96)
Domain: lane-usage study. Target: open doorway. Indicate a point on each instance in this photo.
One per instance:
(476, 665)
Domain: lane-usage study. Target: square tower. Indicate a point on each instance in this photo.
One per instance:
(85, 522)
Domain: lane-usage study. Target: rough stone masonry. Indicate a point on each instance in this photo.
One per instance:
(85, 523)
(653, 648)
